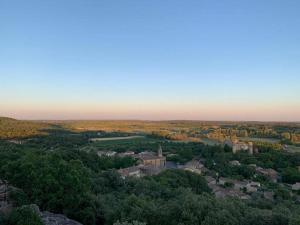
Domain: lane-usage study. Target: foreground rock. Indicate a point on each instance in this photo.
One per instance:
(5, 205)
(53, 219)
(56, 219)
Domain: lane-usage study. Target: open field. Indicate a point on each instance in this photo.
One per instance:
(293, 149)
(210, 142)
(121, 145)
(266, 140)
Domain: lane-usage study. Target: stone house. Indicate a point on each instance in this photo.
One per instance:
(106, 153)
(252, 186)
(239, 146)
(296, 186)
(270, 173)
(235, 163)
(194, 166)
(210, 180)
(134, 171)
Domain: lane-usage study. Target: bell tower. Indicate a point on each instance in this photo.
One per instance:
(159, 151)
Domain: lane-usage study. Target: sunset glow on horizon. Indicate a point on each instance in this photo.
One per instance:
(144, 111)
(195, 60)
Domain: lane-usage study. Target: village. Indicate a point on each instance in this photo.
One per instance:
(151, 163)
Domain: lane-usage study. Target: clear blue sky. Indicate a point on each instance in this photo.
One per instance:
(150, 59)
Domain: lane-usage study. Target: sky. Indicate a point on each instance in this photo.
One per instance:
(150, 59)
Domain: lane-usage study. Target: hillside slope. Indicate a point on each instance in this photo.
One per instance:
(12, 128)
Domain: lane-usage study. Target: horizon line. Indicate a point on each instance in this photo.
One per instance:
(154, 120)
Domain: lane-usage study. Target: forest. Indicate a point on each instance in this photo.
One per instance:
(61, 172)
(87, 188)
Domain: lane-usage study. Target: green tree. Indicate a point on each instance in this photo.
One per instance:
(24, 215)
(290, 175)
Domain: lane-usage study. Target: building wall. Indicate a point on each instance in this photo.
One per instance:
(242, 147)
(155, 162)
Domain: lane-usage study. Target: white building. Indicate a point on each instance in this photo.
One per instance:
(296, 186)
(124, 154)
(194, 166)
(240, 146)
(106, 153)
(252, 186)
(133, 171)
(235, 163)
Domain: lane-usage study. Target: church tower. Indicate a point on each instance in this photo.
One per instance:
(159, 152)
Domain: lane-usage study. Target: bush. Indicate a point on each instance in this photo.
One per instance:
(290, 175)
(24, 215)
(18, 197)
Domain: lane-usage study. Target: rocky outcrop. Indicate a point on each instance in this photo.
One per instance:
(5, 205)
(56, 219)
(53, 219)
(3, 191)
(46, 217)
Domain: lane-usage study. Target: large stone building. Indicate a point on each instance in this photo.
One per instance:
(238, 146)
(149, 164)
(150, 159)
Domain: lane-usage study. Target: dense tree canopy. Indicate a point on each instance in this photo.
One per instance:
(63, 174)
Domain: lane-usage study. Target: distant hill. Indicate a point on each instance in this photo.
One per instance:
(6, 119)
(12, 128)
